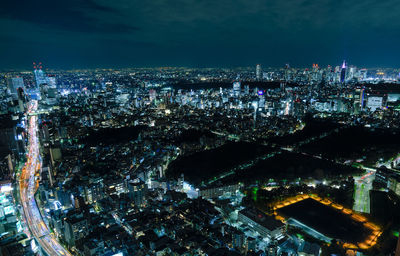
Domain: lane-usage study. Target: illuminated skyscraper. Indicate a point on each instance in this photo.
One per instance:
(352, 72)
(40, 76)
(258, 72)
(137, 192)
(152, 94)
(236, 88)
(51, 80)
(14, 83)
(343, 72)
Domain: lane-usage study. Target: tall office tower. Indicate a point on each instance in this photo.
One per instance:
(287, 71)
(352, 72)
(236, 88)
(94, 192)
(137, 192)
(76, 228)
(246, 89)
(40, 76)
(51, 80)
(258, 72)
(363, 74)
(14, 83)
(343, 72)
(10, 140)
(152, 94)
(282, 85)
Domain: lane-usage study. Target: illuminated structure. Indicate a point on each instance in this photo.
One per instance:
(76, 227)
(258, 72)
(370, 241)
(238, 239)
(213, 192)
(358, 103)
(13, 84)
(152, 94)
(374, 103)
(10, 138)
(388, 179)
(94, 192)
(40, 76)
(265, 225)
(236, 89)
(137, 192)
(343, 72)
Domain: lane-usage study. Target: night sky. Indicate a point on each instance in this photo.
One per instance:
(198, 33)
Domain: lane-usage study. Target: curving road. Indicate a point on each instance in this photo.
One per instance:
(27, 186)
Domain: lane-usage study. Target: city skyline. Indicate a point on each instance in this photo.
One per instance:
(250, 160)
(199, 127)
(338, 64)
(92, 34)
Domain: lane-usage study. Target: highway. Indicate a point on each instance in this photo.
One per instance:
(28, 186)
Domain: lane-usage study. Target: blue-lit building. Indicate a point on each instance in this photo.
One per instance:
(343, 72)
(14, 83)
(40, 76)
(137, 192)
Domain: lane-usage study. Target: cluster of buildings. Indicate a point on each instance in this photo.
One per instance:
(107, 138)
(388, 179)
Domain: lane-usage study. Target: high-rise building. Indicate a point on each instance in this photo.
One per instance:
(265, 225)
(246, 89)
(14, 83)
(236, 88)
(374, 103)
(94, 192)
(152, 94)
(76, 227)
(10, 140)
(258, 72)
(137, 192)
(238, 239)
(51, 80)
(40, 76)
(352, 72)
(343, 72)
(251, 244)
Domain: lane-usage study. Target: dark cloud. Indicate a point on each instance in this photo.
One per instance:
(200, 32)
(73, 15)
